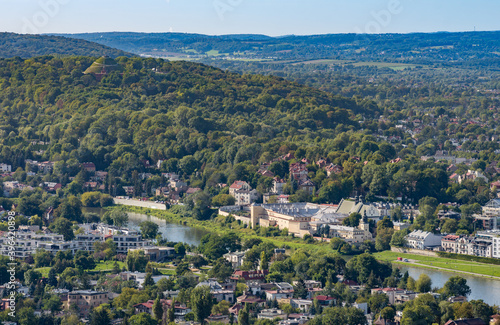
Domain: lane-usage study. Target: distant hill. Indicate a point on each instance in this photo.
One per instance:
(470, 49)
(26, 46)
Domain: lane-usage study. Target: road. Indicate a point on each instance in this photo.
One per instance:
(139, 203)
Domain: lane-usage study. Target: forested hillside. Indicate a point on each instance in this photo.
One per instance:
(177, 110)
(26, 46)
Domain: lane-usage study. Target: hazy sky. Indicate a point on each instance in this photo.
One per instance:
(270, 17)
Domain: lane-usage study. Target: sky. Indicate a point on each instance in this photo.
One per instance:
(269, 17)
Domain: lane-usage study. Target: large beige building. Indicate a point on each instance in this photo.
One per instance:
(85, 300)
(294, 217)
(306, 218)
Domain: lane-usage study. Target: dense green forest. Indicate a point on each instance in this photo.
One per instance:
(27, 46)
(470, 49)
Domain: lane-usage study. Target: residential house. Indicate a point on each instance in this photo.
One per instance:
(419, 239)
(302, 304)
(281, 290)
(306, 185)
(253, 275)
(271, 314)
(390, 292)
(325, 301)
(235, 258)
(86, 300)
(472, 175)
(494, 237)
(333, 169)
(89, 167)
(50, 186)
(237, 186)
(192, 190)
(5, 168)
(352, 234)
(278, 184)
(218, 291)
(298, 171)
(449, 243)
(178, 186)
(243, 193)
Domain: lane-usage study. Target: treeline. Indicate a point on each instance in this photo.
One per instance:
(464, 50)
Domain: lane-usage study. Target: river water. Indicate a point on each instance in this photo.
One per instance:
(170, 231)
(481, 288)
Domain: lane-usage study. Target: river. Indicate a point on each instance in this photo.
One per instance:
(171, 231)
(481, 288)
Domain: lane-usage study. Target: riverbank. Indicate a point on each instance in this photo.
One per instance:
(425, 262)
(442, 264)
(214, 226)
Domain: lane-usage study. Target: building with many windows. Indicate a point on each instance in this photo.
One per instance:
(419, 239)
(86, 300)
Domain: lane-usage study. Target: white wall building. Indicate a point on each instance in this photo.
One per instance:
(422, 239)
(5, 168)
(494, 236)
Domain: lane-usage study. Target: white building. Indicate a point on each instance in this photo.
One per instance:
(422, 239)
(236, 259)
(347, 207)
(352, 234)
(27, 243)
(5, 168)
(244, 197)
(243, 193)
(494, 236)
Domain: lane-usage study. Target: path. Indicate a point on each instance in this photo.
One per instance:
(416, 264)
(139, 203)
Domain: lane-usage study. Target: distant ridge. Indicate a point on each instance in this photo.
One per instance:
(440, 49)
(27, 46)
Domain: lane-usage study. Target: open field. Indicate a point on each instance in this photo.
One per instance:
(445, 264)
(390, 65)
(100, 267)
(44, 271)
(107, 266)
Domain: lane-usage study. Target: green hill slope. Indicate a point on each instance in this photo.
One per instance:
(154, 109)
(26, 46)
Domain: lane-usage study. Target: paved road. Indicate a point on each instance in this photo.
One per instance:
(138, 203)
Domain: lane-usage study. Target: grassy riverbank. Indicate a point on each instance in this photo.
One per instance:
(217, 226)
(440, 263)
(435, 263)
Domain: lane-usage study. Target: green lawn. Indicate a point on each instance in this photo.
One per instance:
(167, 271)
(439, 262)
(44, 271)
(107, 266)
